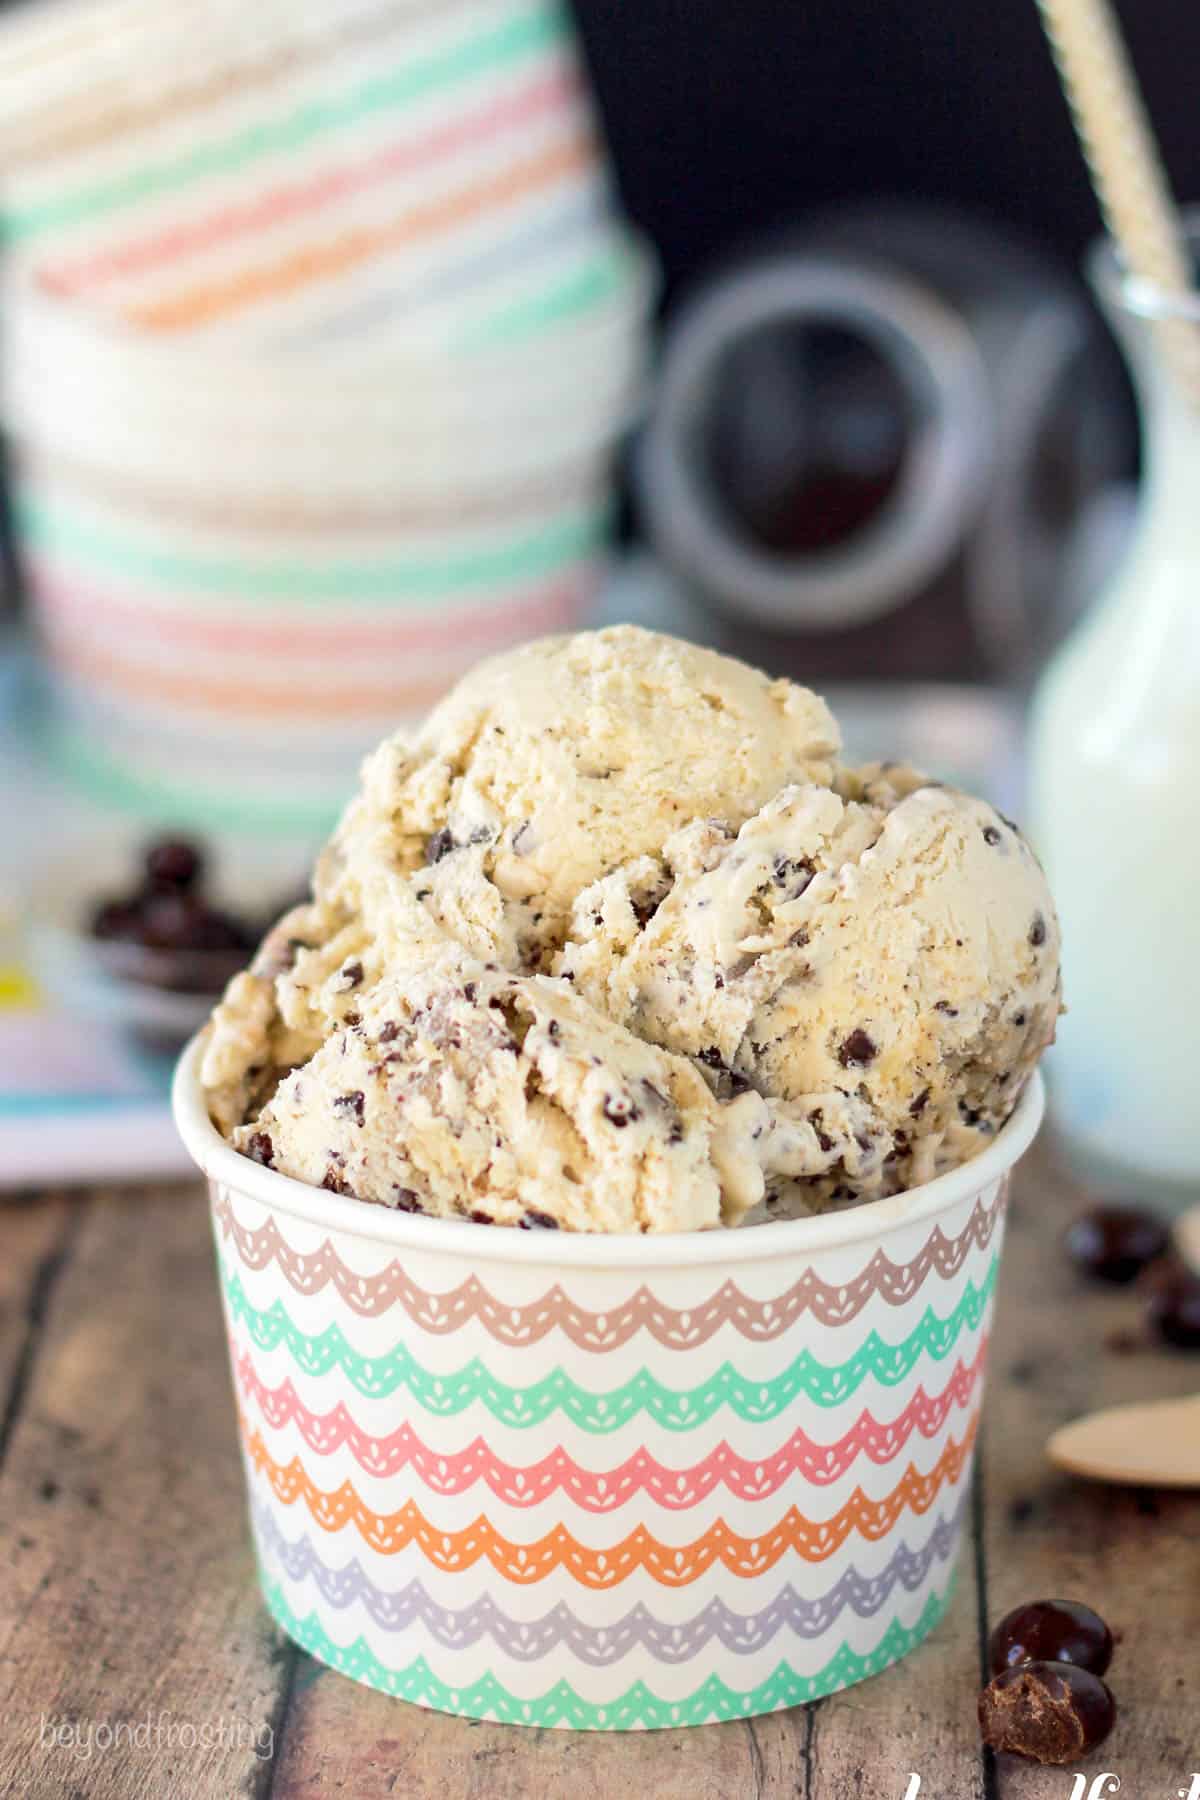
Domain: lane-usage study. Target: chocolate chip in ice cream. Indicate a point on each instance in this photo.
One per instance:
(991, 835)
(857, 1049)
(260, 1149)
(352, 1104)
(1037, 931)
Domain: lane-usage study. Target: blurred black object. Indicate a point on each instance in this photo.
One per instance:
(876, 442)
(728, 120)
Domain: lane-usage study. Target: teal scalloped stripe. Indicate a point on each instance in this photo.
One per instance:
(675, 1409)
(638, 1708)
(385, 581)
(527, 34)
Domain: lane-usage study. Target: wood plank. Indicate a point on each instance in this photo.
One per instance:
(915, 1718)
(35, 1232)
(127, 1592)
(341, 1738)
(1064, 1347)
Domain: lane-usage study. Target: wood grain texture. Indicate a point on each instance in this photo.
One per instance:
(35, 1237)
(126, 1583)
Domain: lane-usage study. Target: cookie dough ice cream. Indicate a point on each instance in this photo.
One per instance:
(619, 944)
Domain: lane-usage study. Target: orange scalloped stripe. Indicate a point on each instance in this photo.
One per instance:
(674, 1566)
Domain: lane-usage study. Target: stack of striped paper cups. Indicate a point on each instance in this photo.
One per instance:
(320, 332)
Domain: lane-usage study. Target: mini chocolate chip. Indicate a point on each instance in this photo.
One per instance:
(1018, 1019)
(440, 845)
(333, 1181)
(1037, 931)
(260, 1149)
(407, 1200)
(858, 1048)
(388, 1031)
(538, 1221)
(645, 908)
(424, 893)
(823, 1137)
(620, 1110)
(352, 975)
(675, 1135)
(481, 1218)
(711, 1057)
(944, 1006)
(352, 1103)
(800, 938)
(1046, 1711)
(352, 1018)
(970, 1115)
(1115, 1243)
(554, 1031)
(991, 835)
(1057, 1631)
(917, 1106)
(718, 980)
(794, 874)
(470, 991)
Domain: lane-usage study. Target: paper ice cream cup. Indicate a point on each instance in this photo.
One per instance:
(606, 1482)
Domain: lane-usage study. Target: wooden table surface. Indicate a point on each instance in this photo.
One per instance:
(127, 1595)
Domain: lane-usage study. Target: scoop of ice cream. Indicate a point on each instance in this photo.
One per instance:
(880, 960)
(507, 1100)
(617, 945)
(552, 764)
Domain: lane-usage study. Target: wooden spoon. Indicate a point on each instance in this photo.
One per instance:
(1156, 1444)
(1186, 1232)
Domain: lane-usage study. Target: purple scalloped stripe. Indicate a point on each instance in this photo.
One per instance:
(600, 1646)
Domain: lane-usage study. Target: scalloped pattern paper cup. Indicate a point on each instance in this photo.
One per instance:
(607, 1483)
(322, 329)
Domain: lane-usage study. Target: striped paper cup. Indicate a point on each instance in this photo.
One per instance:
(613, 1482)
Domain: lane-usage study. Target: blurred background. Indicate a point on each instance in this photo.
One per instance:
(345, 341)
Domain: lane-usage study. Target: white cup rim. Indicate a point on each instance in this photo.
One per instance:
(873, 1221)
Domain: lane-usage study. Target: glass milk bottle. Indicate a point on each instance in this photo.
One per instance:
(1115, 798)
